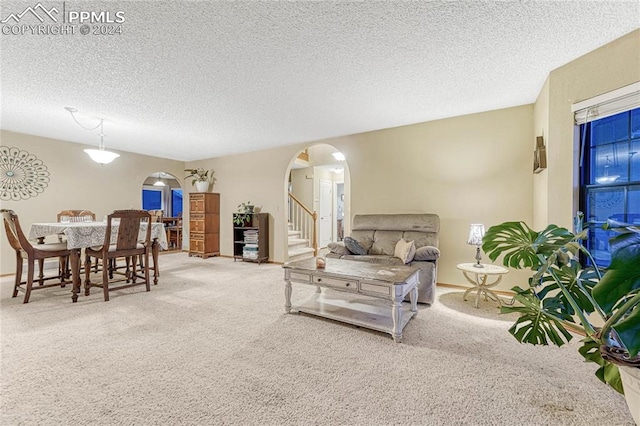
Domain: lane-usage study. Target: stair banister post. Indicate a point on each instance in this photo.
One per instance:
(315, 233)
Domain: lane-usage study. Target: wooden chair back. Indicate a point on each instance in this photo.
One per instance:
(16, 237)
(21, 245)
(128, 229)
(156, 215)
(76, 215)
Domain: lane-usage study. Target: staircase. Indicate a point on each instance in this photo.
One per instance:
(298, 247)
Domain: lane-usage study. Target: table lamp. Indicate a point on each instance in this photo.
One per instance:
(476, 232)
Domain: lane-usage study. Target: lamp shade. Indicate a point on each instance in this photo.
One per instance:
(476, 232)
(101, 156)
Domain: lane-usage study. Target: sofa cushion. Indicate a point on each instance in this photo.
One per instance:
(338, 248)
(405, 250)
(384, 242)
(364, 238)
(427, 253)
(354, 246)
(380, 259)
(422, 238)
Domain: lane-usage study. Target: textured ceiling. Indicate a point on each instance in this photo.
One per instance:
(193, 80)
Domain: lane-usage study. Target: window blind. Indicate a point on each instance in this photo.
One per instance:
(605, 105)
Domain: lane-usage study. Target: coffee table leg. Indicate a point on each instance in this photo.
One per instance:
(287, 297)
(413, 296)
(396, 313)
(75, 271)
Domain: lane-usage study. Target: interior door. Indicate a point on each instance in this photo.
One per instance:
(325, 207)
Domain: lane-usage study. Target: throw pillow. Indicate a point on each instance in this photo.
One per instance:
(338, 248)
(354, 246)
(405, 250)
(427, 253)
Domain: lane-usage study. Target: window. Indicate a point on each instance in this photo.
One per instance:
(610, 177)
(152, 199)
(176, 202)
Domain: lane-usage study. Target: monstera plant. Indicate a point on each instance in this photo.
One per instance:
(568, 293)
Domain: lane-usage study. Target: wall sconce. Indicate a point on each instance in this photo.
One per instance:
(539, 156)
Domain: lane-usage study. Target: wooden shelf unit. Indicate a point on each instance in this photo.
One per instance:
(204, 224)
(258, 222)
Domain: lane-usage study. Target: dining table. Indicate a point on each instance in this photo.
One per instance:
(170, 220)
(81, 235)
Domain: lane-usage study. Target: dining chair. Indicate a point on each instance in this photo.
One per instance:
(33, 253)
(127, 244)
(156, 215)
(174, 233)
(75, 216)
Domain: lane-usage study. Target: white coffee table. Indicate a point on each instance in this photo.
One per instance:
(479, 279)
(390, 283)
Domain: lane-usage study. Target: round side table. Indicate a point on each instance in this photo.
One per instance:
(479, 280)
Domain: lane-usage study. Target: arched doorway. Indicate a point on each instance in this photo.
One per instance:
(162, 191)
(317, 194)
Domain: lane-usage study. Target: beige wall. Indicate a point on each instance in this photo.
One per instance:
(76, 182)
(260, 177)
(469, 169)
(541, 180)
(302, 185)
(612, 66)
(475, 168)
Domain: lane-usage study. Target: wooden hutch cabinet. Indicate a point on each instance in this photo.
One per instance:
(204, 224)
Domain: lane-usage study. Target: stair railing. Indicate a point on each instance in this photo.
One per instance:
(304, 220)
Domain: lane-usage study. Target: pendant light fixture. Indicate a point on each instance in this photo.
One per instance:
(159, 182)
(99, 155)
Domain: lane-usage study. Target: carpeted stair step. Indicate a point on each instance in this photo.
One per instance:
(294, 234)
(300, 254)
(296, 243)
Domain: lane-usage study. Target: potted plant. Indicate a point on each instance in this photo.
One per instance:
(243, 217)
(565, 294)
(201, 178)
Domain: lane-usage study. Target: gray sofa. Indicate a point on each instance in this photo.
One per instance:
(378, 234)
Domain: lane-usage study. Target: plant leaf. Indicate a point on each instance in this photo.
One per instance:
(521, 245)
(623, 274)
(608, 373)
(628, 331)
(537, 323)
(576, 282)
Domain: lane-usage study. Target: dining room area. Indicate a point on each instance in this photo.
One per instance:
(76, 224)
(86, 247)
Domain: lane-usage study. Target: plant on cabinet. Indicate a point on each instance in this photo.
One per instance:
(201, 178)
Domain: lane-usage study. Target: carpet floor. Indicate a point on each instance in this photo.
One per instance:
(211, 345)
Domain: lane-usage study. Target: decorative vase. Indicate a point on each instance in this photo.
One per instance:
(202, 185)
(631, 383)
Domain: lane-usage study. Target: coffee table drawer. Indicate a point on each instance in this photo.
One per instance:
(301, 278)
(336, 282)
(375, 288)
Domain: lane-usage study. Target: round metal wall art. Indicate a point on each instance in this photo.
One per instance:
(22, 175)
